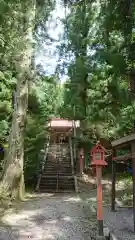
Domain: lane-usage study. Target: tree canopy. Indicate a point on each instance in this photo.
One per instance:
(99, 38)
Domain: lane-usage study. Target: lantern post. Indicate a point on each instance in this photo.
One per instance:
(81, 160)
(98, 161)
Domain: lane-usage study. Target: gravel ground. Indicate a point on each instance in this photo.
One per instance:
(49, 218)
(120, 223)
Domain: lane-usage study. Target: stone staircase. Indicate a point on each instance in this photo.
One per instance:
(58, 173)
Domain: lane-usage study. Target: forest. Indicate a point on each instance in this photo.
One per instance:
(96, 53)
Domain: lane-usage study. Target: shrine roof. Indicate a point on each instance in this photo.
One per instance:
(59, 122)
(124, 140)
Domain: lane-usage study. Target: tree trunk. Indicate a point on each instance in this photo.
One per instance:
(13, 179)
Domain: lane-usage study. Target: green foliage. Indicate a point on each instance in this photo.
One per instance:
(44, 102)
(99, 42)
(6, 86)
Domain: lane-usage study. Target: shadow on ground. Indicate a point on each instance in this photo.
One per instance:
(48, 216)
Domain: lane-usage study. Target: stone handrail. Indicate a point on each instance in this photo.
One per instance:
(43, 165)
(72, 164)
(71, 154)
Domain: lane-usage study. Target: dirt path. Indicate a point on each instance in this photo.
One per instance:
(48, 218)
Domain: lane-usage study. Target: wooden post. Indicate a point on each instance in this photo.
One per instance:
(133, 178)
(113, 194)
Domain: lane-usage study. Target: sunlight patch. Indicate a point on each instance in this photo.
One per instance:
(67, 218)
(22, 215)
(93, 199)
(73, 199)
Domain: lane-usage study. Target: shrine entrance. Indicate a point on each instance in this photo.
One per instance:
(58, 169)
(59, 138)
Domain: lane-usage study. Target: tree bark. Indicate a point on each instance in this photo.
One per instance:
(12, 183)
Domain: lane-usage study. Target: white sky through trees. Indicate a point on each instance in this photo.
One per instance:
(48, 56)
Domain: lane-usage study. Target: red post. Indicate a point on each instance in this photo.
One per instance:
(99, 200)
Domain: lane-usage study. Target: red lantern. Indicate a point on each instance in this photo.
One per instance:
(98, 161)
(98, 155)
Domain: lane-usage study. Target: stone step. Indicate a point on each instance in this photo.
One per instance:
(57, 174)
(60, 183)
(52, 178)
(57, 168)
(49, 174)
(47, 186)
(58, 161)
(69, 185)
(67, 173)
(57, 164)
(62, 158)
(48, 181)
(56, 191)
(60, 176)
(59, 152)
(57, 186)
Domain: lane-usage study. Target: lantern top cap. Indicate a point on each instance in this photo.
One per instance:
(98, 147)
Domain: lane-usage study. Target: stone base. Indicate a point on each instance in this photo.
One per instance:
(100, 238)
(113, 237)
